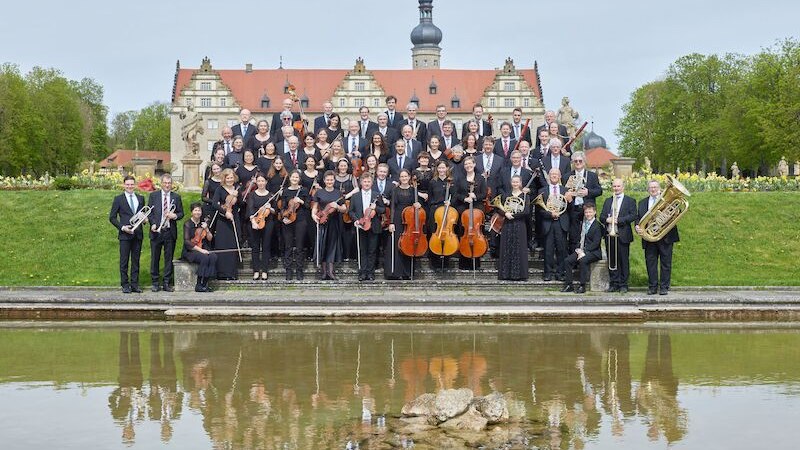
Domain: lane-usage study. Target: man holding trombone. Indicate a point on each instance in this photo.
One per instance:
(619, 212)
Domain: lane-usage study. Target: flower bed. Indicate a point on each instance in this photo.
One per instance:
(83, 180)
(711, 183)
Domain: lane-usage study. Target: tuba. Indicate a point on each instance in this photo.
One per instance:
(664, 215)
(514, 205)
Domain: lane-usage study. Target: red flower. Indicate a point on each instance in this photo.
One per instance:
(147, 185)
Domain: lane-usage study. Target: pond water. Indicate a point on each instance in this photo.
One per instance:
(330, 386)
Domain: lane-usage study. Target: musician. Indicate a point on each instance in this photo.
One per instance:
(323, 148)
(517, 126)
(329, 243)
(218, 157)
(660, 250)
(413, 146)
(209, 187)
(401, 160)
(469, 188)
(489, 164)
(402, 197)
(439, 195)
(556, 160)
(587, 251)
(294, 233)
(390, 135)
(261, 239)
(590, 191)
(292, 157)
(378, 147)
(228, 226)
(278, 117)
(345, 183)
(513, 260)
(469, 146)
(549, 118)
(366, 126)
(310, 148)
(264, 162)
(543, 143)
(515, 169)
(123, 208)
(244, 128)
(435, 150)
(449, 137)
(621, 210)
(423, 174)
(334, 128)
(504, 145)
(167, 211)
(199, 254)
(484, 127)
(360, 205)
(420, 129)
(277, 175)
(246, 173)
(436, 127)
(394, 117)
(554, 229)
(259, 140)
(226, 143)
(530, 160)
(282, 139)
(383, 184)
(311, 179)
(322, 121)
(235, 158)
(533, 162)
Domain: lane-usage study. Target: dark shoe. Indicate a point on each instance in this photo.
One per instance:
(651, 291)
(612, 289)
(663, 291)
(623, 290)
(136, 289)
(560, 277)
(199, 288)
(168, 288)
(581, 289)
(371, 277)
(547, 278)
(155, 288)
(289, 275)
(567, 288)
(331, 273)
(126, 289)
(300, 275)
(361, 277)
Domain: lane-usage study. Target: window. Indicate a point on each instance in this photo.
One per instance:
(211, 146)
(232, 122)
(359, 86)
(492, 102)
(359, 102)
(205, 102)
(526, 102)
(223, 101)
(264, 103)
(213, 124)
(341, 103)
(425, 63)
(189, 102)
(376, 102)
(304, 103)
(432, 89)
(205, 85)
(455, 104)
(509, 102)
(508, 86)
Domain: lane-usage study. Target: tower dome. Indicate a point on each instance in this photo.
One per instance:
(593, 140)
(426, 38)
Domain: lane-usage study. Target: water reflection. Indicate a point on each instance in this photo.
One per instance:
(314, 386)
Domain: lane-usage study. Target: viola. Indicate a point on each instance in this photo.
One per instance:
(230, 202)
(445, 242)
(330, 208)
(358, 167)
(201, 233)
(289, 214)
(250, 186)
(413, 241)
(473, 244)
(346, 215)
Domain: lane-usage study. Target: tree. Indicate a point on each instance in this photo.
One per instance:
(151, 128)
(121, 126)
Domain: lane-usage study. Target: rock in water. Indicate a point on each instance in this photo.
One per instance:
(420, 406)
(493, 407)
(471, 420)
(450, 403)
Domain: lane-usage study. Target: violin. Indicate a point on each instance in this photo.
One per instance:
(301, 126)
(289, 214)
(473, 244)
(386, 218)
(230, 202)
(250, 186)
(346, 215)
(330, 208)
(365, 223)
(413, 241)
(259, 218)
(201, 233)
(446, 242)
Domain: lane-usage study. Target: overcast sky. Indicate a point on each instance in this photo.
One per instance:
(595, 52)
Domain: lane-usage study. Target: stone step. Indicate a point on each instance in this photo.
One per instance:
(486, 263)
(347, 283)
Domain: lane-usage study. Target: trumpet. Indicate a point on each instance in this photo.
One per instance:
(164, 218)
(556, 204)
(139, 218)
(514, 205)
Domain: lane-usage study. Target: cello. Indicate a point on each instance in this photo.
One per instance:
(473, 244)
(446, 242)
(413, 241)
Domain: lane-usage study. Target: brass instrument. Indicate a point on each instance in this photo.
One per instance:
(669, 208)
(575, 183)
(613, 234)
(514, 205)
(164, 219)
(555, 203)
(140, 217)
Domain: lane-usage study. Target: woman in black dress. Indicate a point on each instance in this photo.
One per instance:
(470, 188)
(229, 228)
(294, 232)
(513, 261)
(329, 243)
(402, 196)
(310, 148)
(277, 176)
(371, 165)
(219, 158)
(246, 173)
(311, 179)
(435, 151)
(336, 154)
(323, 147)
(210, 187)
(468, 147)
(439, 195)
(264, 161)
(199, 254)
(377, 146)
(334, 128)
(258, 141)
(261, 239)
(344, 182)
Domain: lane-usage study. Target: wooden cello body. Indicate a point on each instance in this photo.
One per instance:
(444, 241)
(412, 241)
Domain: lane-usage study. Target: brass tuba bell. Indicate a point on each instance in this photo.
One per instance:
(664, 215)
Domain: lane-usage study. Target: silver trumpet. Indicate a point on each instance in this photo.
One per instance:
(139, 218)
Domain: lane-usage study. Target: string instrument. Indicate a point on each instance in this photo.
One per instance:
(358, 165)
(289, 214)
(201, 233)
(330, 208)
(259, 218)
(446, 242)
(413, 241)
(250, 186)
(280, 191)
(365, 223)
(301, 126)
(230, 202)
(487, 205)
(386, 218)
(473, 244)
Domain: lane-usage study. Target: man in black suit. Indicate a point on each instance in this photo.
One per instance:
(323, 120)
(277, 121)
(543, 143)
(577, 198)
(661, 250)
(292, 158)
(533, 162)
(420, 129)
(400, 160)
(489, 165)
(395, 117)
(282, 139)
(436, 127)
(619, 210)
(554, 159)
(449, 138)
(554, 229)
(167, 211)
(390, 135)
(484, 127)
(505, 144)
(550, 117)
(413, 146)
(587, 252)
(514, 168)
(360, 204)
(517, 126)
(226, 143)
(245, 129)
(123, 208)
(354, 145)
(366, 127)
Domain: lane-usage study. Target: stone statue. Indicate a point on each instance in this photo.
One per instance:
(647, 166)
(783, 167)
(567, 117)
(191, 127)
(735, 171)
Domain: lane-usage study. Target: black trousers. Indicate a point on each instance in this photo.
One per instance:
(555, 250)
(618, 253)
(261, 245)
(368, 242)
(653, 253)
(156, 247)
(584, 264)
(575, 221)
(294, 235)
(129, 250)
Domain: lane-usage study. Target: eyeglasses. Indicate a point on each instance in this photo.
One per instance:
(578, 160)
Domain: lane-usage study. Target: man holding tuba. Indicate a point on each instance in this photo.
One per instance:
(660, 250)
(619, 212)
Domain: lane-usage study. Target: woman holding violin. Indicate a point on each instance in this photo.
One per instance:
(296, 215)
(228, 226)
(261, 209)
(402, 196)
(196, 239)
(440, 193)
(258, 141)
(334, 128)
(326, 211)
(470, 188)
(246, 172)
(311, 179)
(210, 187)
(513, 261)
(344, 182)
(267, 157)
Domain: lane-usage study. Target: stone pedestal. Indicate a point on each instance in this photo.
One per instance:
(623, 167)
(144, 166)
(191, 173)
(598, 278)
(185, 275)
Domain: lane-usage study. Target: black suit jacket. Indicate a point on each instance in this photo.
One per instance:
(625, 217)
(592, 186)
(387, 189)
(498, 148)
(422, 130)
(319, 123)
(526, 136)
(155, 216)
(251, 131)
(591, 243)
(493, 181)
(435, 129)
(505, 179)
(120, 215)
(562, 131)
(371, 127)
(391, 136)
(398, 121)
(357, 210)
(275, 126)
(394, 169)
(412, 149)
(361, 145)
(487, 129)
(546, 217)
(670, 238)
(564, 165)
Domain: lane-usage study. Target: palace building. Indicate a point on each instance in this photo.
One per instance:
(218, 95)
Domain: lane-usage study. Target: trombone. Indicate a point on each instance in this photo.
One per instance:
(613, 233)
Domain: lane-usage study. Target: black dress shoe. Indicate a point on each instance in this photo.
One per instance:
(370, 277)
(126, 289)
(663, 291)
(651, 291)
(623, 290)
(155, 288)
(612, 289)
(560, 277)
(136, 289)
(361, 277)
(567, 288)
(581, 289)
(547, 278)
(168, 288)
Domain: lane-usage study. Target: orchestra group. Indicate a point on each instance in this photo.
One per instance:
(396, 192)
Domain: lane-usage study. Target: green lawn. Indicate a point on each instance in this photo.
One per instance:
(64, 238)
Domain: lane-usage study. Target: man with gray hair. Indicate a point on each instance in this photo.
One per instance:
(390, 135)
(554, 159)
(550, 117)
(292, 157)
(282, 142)
(419, 127)
(244, 128)
(590, 189)
(554, 228)
(167, 211)
(277, 123)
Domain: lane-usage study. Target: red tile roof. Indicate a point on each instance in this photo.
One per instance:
(599, 157)
(123, 157)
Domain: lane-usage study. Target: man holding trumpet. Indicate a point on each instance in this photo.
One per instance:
(619, 212)
(127, 214)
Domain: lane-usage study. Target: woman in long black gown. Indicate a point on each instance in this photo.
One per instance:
(199, 254)
(264, 161)
(210, 187)
(294, 233)
(345, 183)
(258, 141)
(261, 239)
(228, 226)
(402, 196)
(311, 179)
(246, 172)
(470, 187)
(334, 128)
(329, 243)
(513, 261)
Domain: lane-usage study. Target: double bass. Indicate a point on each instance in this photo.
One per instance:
(445, 242)
(473, 244)
(301, 126)
(413, 241)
